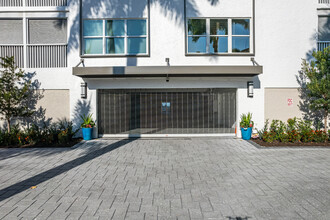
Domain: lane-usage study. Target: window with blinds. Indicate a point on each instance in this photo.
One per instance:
(47, 43)
(50, 31)
(323, 32)
(11, 31)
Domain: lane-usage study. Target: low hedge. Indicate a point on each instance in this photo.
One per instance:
(61, 132)
(295, 130)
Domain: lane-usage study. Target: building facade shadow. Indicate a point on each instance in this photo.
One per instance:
(49, 174)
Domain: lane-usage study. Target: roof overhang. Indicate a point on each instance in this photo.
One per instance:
(160, 71)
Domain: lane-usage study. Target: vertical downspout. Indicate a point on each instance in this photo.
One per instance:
(185, 25)
(254, 26)
(149, 40)
(80, 27)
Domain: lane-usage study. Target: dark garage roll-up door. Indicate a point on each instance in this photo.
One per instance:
(190, 111)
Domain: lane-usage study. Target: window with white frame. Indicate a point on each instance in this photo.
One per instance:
(218, 36)
(115, 37)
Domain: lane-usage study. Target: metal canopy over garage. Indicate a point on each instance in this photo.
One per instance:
(134, 71)
(166, 111)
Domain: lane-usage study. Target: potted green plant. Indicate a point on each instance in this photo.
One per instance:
(246, 125)
(87, 126)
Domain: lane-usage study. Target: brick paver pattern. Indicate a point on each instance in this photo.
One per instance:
(191, 178)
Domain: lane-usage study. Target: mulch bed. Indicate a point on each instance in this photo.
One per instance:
(45, 145)
(289, 144)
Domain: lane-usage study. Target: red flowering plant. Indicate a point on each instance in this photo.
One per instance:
(88, 121)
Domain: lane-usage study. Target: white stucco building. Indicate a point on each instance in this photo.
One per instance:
(165, 67)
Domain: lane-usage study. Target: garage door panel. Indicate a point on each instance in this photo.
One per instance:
(166, 112)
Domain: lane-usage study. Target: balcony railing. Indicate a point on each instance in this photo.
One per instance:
(37, 56)
(13, 50)
(33, 3)
(321, 45)
(324, 1)
(46, 56)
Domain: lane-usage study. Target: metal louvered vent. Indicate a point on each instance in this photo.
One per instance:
(47, 56)
(188, 111)
(15, 51)
(11, 3)
(41, 3)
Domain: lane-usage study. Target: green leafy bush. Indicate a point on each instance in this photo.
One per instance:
(320, 136)
(305, 130)
(284, 137)
(278, 128)
(293, 136)
(263, 130)
(269, 137)
(61, 132)
(295, 130)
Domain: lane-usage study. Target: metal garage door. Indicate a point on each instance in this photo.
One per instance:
(190, 111)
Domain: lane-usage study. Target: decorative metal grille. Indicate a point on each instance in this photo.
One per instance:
(166, 112)
(16, 51)
(46, 56)
(35, 3)
(11, 3)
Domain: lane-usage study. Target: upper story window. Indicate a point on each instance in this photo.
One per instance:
(47, 31)
(115, 37)
(323, 32)
(11, 31)
(218, 36)
(43, 46)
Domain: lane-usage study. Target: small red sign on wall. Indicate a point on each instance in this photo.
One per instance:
(290, 102)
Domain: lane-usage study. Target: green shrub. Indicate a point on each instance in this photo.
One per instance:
(263, 130)
(305, 131)
(292, 124)
(320, 136)
(61, 132)
(283, 137)
(278, 128)
(293, 136)
(269, 137)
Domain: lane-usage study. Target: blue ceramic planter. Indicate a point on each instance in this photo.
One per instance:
(246, 133)
(87, 133)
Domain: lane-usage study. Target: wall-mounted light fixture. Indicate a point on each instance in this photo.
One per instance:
(167, 60)
(83, 87)
(250, 89)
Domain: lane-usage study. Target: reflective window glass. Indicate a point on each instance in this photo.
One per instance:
(196, 44)
(241, 26)
(241, 44)
(218, 27)
(93, 27)
(136, 27)
(115, 28)
(136, 45)
(196, 26)
(93, 46)
(219, 44)
(115, 46)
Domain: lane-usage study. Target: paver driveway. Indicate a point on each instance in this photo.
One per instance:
(166, 179)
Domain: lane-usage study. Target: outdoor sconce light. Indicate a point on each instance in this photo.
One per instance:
(250, 88)
(167, 60)
(83, 90)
